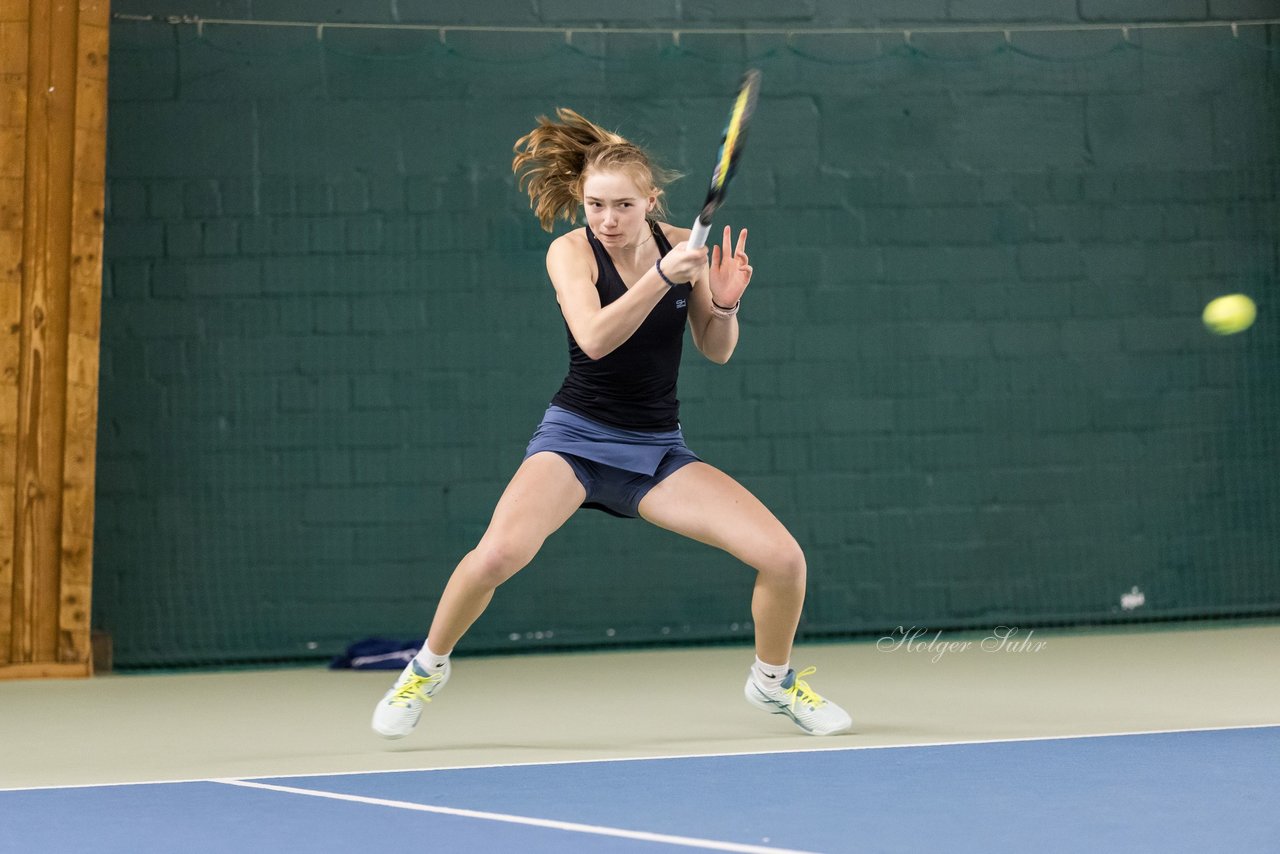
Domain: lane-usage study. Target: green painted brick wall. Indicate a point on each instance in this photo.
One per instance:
(972, 377)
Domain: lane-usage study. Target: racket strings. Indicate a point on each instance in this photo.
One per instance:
(731, 136)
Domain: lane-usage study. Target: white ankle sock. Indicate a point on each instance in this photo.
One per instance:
(429, 661)
(769, 675)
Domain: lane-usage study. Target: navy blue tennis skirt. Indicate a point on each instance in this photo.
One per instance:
(616, 467)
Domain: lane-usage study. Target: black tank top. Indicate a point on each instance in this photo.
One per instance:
(633, 387)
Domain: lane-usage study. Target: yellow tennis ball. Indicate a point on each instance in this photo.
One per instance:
(1230, 314)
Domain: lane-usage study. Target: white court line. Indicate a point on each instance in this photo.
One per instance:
(539, 763)
(573, 827)
(851, 747)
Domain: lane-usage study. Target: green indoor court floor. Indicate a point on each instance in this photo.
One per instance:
(925, 689)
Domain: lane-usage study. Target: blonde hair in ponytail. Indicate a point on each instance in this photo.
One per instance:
(553, 160)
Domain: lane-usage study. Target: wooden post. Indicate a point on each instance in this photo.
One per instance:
(53, 63)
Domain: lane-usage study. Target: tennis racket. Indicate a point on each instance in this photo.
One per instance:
(735, 137)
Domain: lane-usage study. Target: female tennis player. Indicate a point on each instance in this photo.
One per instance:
(610, 440)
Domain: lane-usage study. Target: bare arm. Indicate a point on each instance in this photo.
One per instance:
(715, 334)
(601, 330)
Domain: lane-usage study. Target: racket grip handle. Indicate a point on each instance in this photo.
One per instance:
(698, 236)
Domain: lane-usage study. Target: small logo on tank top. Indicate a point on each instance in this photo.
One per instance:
(680, 303)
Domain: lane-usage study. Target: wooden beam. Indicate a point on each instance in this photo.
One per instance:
(52, 114)
(52, 670)
(13, 122)
(84, 321)
(42, 353)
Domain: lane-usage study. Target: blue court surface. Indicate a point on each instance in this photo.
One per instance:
(1200, 790)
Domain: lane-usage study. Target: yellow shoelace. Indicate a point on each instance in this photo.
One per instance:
(412, 689)
(801, 692)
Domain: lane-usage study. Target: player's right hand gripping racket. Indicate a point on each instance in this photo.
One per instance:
(735, 136)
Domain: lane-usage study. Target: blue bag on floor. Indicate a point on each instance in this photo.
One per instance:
(376, 654)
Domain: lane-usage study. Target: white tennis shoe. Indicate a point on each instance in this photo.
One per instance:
(398, 711)
(810, 711)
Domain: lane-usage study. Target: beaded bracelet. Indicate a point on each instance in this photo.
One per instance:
(657, 265)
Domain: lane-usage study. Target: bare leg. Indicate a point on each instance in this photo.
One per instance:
(705, 504)
(541, 497)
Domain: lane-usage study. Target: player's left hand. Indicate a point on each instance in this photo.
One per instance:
(730, 270)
